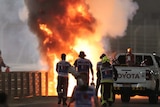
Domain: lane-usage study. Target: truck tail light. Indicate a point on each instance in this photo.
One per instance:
(148, 75)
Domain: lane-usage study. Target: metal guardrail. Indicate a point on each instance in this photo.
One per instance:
(24, 84)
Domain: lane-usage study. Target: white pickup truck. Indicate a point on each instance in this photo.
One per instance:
(138, 79)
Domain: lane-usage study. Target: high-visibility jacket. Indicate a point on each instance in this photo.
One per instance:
(107, 74)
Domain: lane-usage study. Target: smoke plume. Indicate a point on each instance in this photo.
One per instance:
(17, 43)
(112, 17)
(59, 26)
(68, 20)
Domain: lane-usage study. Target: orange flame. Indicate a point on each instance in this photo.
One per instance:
(44, 28)
(66, 26)
(78, 26)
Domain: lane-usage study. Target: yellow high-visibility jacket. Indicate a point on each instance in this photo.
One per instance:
(106, 74)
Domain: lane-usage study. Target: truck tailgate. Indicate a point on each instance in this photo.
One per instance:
(131, 74)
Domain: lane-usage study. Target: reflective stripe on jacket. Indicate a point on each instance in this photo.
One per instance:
(106, 74)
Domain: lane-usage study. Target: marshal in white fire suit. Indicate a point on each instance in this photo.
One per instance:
(83, 66)
(62, 85)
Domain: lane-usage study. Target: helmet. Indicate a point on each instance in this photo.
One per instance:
(129, 50)
(105, 59)
(154, 53)
(102, 56)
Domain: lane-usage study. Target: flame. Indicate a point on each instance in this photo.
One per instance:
(45, 29)
(90, 48)
(65, 27)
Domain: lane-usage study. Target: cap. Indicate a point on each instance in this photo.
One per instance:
(82, 54)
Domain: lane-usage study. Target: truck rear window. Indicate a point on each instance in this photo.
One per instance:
(149, 61)
(138, 60)
(122, 59)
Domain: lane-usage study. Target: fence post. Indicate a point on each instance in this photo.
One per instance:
(15, 84)
(31, 84)
(6, 88)
(34, 84)
(40, 83)
(21, 86)
(46, 83)
(27, 84)
(9, 84)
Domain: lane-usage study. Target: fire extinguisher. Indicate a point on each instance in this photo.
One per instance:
(7, 69)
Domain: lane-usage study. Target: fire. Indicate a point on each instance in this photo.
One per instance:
(63, 27)
(67, 26)
(79, 9)
(90, 48)
(44, 28)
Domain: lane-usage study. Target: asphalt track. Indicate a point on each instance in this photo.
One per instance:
(52, 102)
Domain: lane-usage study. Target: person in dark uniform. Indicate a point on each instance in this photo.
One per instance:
(62, 84)
(2, 64)
(83, 66)
(108, 75)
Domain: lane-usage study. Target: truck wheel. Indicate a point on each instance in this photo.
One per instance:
(153, 98)
(125, 98)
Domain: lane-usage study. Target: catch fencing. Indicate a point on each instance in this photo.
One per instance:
(18, 85)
